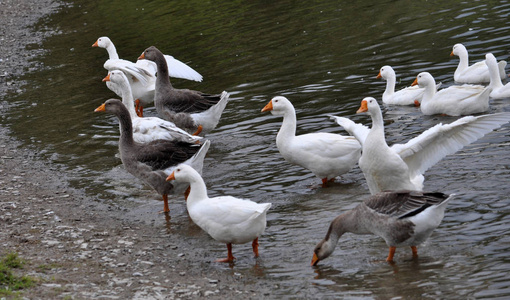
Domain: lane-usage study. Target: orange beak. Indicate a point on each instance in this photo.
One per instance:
(363, 107)
(379, 75)
(171, 177)
(95, 44)
(451, 54)
(100, 108)
(315, 260)
(268, 106)
(142, 56)
(415, 82)
(107, 78)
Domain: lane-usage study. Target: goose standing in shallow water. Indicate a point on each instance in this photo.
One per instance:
(190, 110)
(153, 162)
(149, 128)
(401, 218)
(476, 73)
(498, 89)
(142, 74)
(226, 219)
(456, 100)
(407, 96)
(401, 166)
(327, 155)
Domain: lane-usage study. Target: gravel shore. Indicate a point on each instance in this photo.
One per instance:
(76, 248)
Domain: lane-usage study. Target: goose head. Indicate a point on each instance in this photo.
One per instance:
(368, 104)
(278, 106)
(114, 106)
(386, 72)
(102, 42)
(323, 249)
(150, 53)
(182, 173)
(490, 61)
(424, 79)
(458, 49)
(117, 77)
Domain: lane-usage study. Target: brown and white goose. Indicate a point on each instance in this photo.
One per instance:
(190, 110)
(148, 128)
(401, 218)
(153, 162)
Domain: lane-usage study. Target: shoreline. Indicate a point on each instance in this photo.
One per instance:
(76, 248)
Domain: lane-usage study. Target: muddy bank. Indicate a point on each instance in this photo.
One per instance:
(75, 247)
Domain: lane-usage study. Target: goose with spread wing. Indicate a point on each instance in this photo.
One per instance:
(401, 166)
(142, 74)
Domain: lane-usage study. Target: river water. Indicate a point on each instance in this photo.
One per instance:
(324, 56)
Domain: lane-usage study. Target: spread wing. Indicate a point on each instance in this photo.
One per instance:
(425, 150)
(359, 131)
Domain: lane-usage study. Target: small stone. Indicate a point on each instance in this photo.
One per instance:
(137, 274)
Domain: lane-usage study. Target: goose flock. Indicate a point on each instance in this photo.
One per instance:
(167, 152)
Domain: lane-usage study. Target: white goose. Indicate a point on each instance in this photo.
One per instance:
(327, 155)
(142, 74)
(226, 219)
(149, 128)
(498, 89)
(476, 73)
(457, 100)
(401, 218)
(407, 96)
(401, 166)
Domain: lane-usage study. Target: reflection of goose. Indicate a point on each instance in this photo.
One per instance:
(406, 96)
(401, 218)
(400, 167)
(475, 73)
(226, 219)
(327, 155)
(142, 74)
(149, 128)
(153, 162)
(498, 89)
(457, 100)
(191, 110)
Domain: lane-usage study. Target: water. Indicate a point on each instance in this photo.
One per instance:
(324, 57)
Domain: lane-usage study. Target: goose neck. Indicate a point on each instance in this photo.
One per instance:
(198, 189)
(390, 85)
(463, 60)
(126, 126)
(128, 100)
(112, 51)
(495, 79)
(288, 128)
(162, 77)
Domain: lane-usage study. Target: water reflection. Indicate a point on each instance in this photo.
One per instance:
(324, 57)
